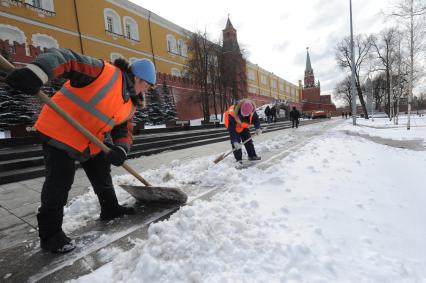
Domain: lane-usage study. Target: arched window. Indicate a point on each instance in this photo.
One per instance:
(42, 4)
(131, 30)
(116, 55)
(171, 44)
(182, 48)
(44, 41)
(175, 72)
(112, 21)
(12, 34)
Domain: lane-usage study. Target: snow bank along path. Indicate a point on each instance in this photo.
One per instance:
(340, 209)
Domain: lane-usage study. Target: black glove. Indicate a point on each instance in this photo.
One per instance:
(116, 156)
(24, 80)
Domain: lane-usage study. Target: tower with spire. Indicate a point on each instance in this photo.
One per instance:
(309, 72)
(311, 93)
(230, 42)
(234, 63)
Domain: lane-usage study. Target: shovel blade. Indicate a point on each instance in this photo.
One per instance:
(156, 194)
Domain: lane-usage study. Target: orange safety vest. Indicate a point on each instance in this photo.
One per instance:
(98, 106)
(240, 126)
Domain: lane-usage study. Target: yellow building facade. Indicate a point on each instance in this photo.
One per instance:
(264, 83)
(109, 29)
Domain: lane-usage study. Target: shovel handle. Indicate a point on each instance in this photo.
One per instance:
(6, 65)
(220, 158)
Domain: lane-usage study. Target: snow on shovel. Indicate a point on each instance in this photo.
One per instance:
(223, 155)
(144, 193)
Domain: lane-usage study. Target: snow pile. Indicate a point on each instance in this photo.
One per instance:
(341, 209)
(193, 177)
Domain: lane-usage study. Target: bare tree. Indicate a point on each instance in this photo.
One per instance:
(200, 49)
(401, 73)
(411, 13)
(379, 89)
(343, 91)
(362, 47)
(384, 45)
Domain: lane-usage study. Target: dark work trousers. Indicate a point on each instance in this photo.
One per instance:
(243, 136)
(295, 122)
(60, 171)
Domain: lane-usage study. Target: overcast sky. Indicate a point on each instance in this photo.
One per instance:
(276, 33)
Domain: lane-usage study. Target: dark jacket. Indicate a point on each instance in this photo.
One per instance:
(268, 111)
(294, 114)
(232, 124)
(82, 70)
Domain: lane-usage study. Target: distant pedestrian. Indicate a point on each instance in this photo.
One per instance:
(294, 117)
(268, 114)
(346, 115)
(238, 119)
(274, 114)
(343, 115)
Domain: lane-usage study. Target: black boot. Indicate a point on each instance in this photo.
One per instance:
(252, 158)
(58, 243)
(110, 209)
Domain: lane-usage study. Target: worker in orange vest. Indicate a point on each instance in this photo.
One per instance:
(102, 97)
(238, 119)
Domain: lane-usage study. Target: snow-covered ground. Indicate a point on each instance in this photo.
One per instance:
(340, 209)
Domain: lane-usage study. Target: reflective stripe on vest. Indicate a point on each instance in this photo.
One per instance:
(98, 106)
(239, 126)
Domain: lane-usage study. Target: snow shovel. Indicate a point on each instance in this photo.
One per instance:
(145, 193)
(223, 155)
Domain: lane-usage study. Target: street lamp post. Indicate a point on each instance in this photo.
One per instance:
(353, 69)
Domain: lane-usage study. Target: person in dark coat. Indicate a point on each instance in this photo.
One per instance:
(268, 114)
(294, 117)
(274, 114)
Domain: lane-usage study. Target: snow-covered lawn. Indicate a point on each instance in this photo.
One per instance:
(384, 128)
(340, 209)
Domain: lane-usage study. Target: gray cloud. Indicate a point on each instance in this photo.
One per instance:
(282, 46)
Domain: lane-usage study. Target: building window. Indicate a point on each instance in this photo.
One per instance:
(109, 24)
(182, 48)
(36, 3)
(44, 41)
(41, 5)
(263, 79)
(274, 84)
(12, 34)
(128, 33)
(281, 88)
(251, 75)
(171, 44)
(175, 72)
(112, 22)
(131, 30)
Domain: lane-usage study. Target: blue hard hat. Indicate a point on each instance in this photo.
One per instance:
(144, 69)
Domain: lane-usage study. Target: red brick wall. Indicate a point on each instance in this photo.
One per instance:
(18, 51)
(311, 94)
(325, 99)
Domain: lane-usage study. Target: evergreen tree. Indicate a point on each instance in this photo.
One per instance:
(169, 107)
(141, 115)
(155, 107)
(17, 108)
